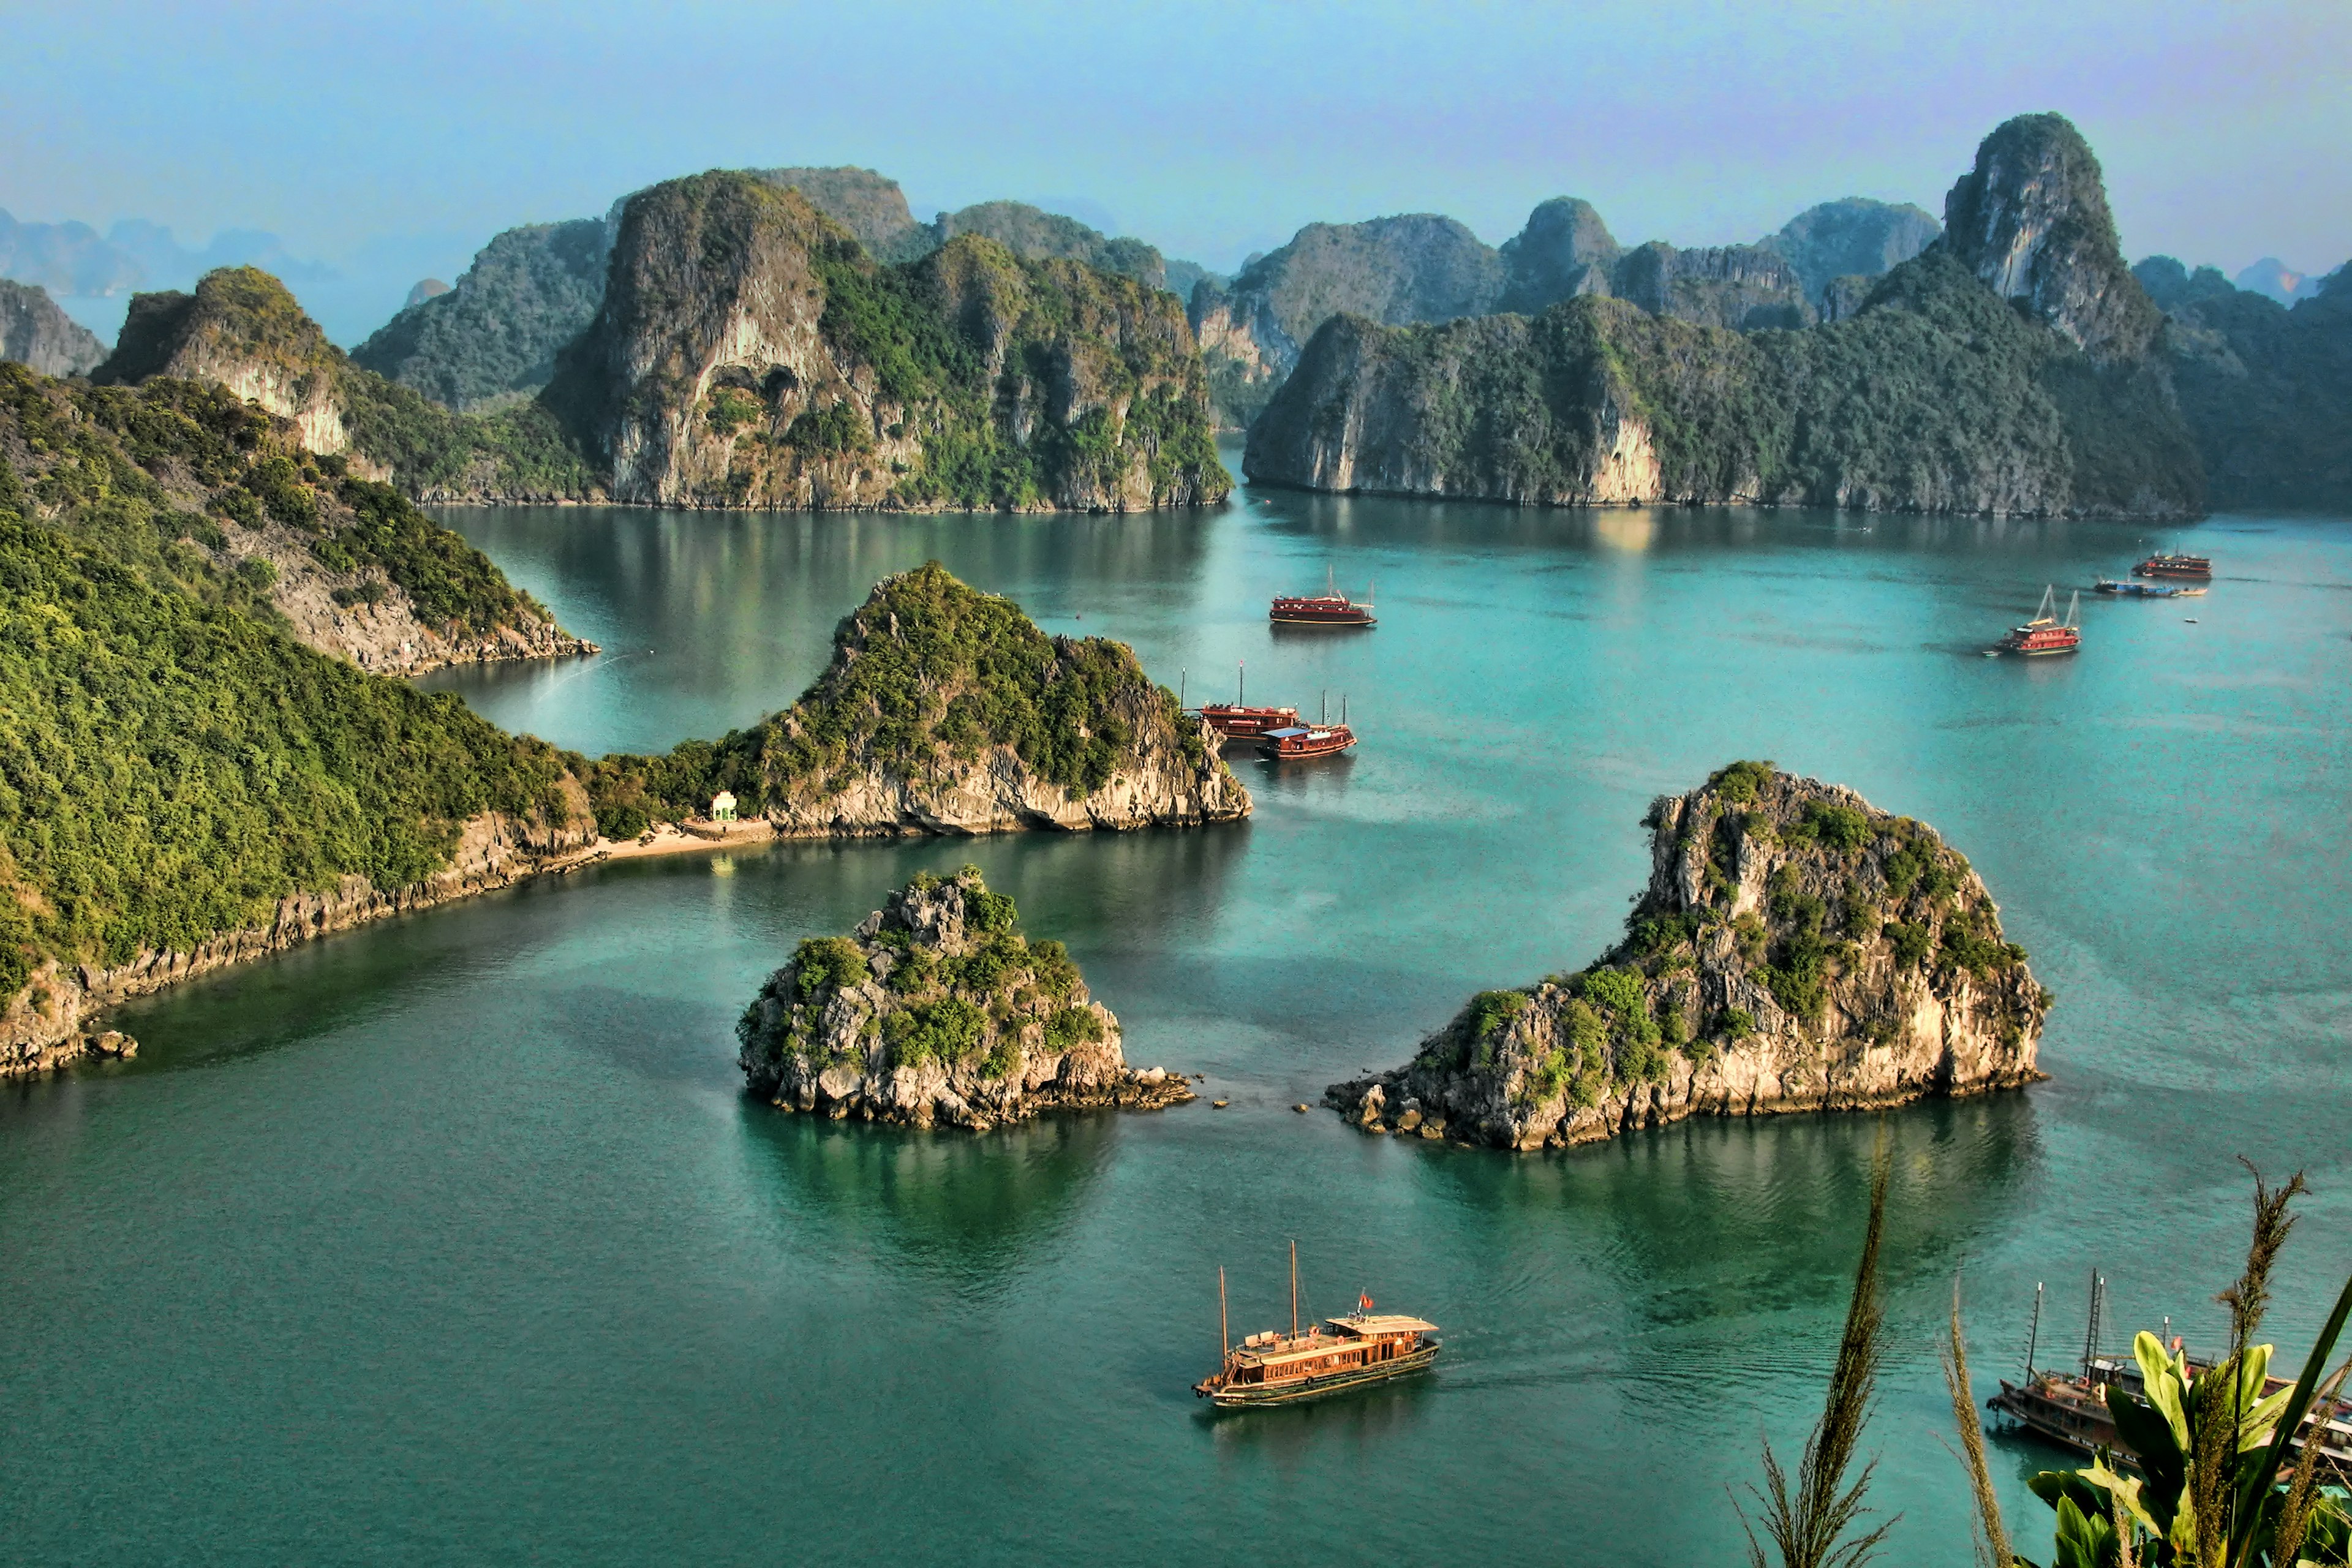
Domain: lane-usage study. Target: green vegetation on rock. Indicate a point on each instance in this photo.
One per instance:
(171, 765)
(927, 676)
(495, 334)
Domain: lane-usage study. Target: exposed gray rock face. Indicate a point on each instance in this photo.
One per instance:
(1853, 237)
(867, 205)
(35, 332)
(496, 334)
(937, 1010)
(1420, 266)
(2031, 220)
(1743, 286)
(1564, 250)
(1796, 949)
(717, 374)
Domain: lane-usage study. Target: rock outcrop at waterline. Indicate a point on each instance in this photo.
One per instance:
(938, 1010)
(48, 1024)
(947, 710)
(1796, 949)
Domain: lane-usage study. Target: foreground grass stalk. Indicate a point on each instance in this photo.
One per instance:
(1806, 1528)
(1992, 1539)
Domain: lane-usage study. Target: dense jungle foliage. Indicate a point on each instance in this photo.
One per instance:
(927, 674)
(171, 765)
(165, 475)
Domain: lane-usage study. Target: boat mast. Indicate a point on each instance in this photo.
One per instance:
(2074, 606)
(1294, 1289)
(2049, 603)
(2091, 1332)
(1183, 673)
(1343, 709)
(1224, 1335)
(1241, 683)
(1326, 705)
(2033, 1334)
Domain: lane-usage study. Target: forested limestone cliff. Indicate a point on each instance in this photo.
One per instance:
(1796, 949)
(749, 351)
(2007, 370)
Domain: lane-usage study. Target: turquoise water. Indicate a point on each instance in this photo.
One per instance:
(453, 1239)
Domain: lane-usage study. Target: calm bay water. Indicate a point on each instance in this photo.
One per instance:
(454, 1238)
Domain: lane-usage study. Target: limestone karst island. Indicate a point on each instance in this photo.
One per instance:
(985, 786)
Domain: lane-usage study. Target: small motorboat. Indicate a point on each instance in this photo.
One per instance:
(2140, 590)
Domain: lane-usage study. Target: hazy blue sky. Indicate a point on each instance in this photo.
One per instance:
(395, 138)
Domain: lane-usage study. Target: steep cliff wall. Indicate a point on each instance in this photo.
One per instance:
(748, 353)
(1796, 949)
(2031, 220)
(947, 710)
(937, 1009)
(1935, 394)
(37, 334)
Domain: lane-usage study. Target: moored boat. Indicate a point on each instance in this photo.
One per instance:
(1236, 721)
(2139, 590)
(2045, 633)
(2162, 565)
(1330, 1357)
(1295, 742)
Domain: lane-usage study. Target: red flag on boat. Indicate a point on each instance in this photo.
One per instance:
(1363, 1302)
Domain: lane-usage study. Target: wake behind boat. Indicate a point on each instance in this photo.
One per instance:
(1330, 1357)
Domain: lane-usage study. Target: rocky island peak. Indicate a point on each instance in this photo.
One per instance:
(938, 1010)
(1795, 949)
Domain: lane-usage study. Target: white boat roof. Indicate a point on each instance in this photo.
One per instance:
(1381, 1324)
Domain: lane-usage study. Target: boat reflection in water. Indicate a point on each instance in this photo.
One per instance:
(1328, 1358)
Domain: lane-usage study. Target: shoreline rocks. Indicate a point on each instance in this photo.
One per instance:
(1796, 949)
(937, 1010)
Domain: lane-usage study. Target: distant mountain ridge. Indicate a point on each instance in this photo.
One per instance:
(1425, 269)
(2009, 369)
(73, 258)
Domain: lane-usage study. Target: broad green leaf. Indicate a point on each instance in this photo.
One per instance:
(2165, 1380)
(2126, 1490)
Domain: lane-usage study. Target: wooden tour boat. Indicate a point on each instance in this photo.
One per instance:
(2045, 632)
(2201, 566)
(1296, 742)
(2072, 1411)
(1327, 608)
(2139, 590)
(1329, 1357)
(1236, 721)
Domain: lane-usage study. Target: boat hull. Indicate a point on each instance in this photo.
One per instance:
(1280, 618)
(1251, 1395)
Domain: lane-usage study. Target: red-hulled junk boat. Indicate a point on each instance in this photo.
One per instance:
(2045, 632)
(1237, 723)
(1329, 1357)
(1295, 742)
(1327, 608)
(2198, 567)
